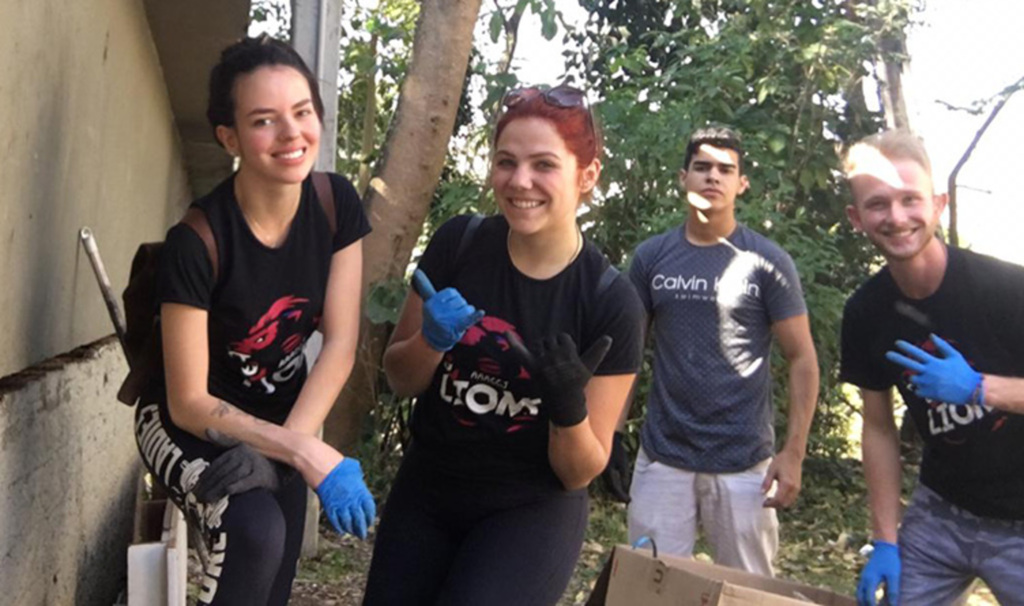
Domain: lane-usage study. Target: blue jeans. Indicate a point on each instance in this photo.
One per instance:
(944, 549)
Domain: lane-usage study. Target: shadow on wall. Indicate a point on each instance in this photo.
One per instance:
(39, 322)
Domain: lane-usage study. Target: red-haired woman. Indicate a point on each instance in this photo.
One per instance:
(490, 503)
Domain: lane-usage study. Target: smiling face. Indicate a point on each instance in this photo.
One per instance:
(535, 177)
(713, 180)
(277, 132)
(895, 205)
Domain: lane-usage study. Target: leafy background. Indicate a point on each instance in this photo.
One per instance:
(786, 73)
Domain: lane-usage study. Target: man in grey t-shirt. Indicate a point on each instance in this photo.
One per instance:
(715, 293)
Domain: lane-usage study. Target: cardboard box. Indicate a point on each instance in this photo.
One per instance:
(636, 578)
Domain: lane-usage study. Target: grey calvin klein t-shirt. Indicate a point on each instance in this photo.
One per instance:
(712, 308)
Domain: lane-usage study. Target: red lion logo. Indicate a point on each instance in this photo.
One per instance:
(492, 356)
(262, 336)
(489, 335)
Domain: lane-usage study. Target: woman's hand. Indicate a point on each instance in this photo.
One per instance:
(562, 373)
(446, 314)
(339, 483)
(238, 469)
(346, 500)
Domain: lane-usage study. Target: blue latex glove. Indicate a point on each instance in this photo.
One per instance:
(345, 499)
(884, 566)
(947, 379)
(446, 315)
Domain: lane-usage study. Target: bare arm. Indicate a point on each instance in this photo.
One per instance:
(880, 448)
(620, 425)
(1005, 393)
(580, 453)
(340, 327)
(409, 362)
(794, 337)
(192, 408)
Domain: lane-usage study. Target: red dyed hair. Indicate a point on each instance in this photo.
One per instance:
(576, 125)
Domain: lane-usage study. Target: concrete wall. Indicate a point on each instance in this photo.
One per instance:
(90, 135)
(67, 480)
(88, 138)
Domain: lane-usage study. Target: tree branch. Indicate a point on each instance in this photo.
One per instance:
(954, 235)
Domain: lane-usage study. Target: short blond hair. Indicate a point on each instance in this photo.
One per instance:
(895, 144)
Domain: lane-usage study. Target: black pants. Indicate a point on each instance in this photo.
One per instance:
(440, 542)
(254, 537)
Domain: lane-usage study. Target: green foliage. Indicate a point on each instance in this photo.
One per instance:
(385, 301)
(272, 17)
(376, 45)
(780, 72)
(385, 438)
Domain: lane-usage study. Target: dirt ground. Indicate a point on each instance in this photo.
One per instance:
(337, 575)
(819, 543)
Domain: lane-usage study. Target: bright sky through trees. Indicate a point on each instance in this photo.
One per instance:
(960, 52)
(967, 51)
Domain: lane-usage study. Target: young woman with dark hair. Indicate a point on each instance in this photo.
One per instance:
(490, 504)
(231, 431)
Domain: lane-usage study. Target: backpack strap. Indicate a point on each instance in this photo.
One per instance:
(467, 235)
(325, 194)
(606, 280)
(197, 220)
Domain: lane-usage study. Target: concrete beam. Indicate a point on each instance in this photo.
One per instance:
(316, 35)
(189, 35)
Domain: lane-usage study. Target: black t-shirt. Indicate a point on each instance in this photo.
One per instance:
(266, 301)
(973, 455)
(483, 419)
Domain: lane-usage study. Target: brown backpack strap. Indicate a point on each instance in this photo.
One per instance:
(196, 219)
(325, 194)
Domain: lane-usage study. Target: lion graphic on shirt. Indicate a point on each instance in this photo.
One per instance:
(273, 350)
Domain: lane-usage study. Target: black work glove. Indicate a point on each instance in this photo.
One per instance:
(616, 474)
(238, 469)
(562, 373)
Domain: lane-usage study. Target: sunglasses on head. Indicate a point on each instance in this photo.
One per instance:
(563, 96)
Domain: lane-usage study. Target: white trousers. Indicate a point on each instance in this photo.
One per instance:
(668, 503)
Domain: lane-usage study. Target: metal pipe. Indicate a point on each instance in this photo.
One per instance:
(113, 308)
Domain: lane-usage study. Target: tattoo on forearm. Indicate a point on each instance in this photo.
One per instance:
(224, 409)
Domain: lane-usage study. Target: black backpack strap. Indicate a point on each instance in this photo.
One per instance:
(197, 220)
(607, 278)
(325, 194)
(467, 235)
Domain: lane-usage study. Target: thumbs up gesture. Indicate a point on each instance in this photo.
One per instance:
(446, 315)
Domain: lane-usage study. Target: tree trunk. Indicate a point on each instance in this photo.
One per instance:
(399, 197)
(892, 58)
(891, 87)
(369, 121)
